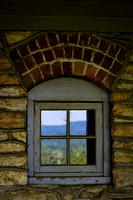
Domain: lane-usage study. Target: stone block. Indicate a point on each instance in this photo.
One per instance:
(68, 197)
(12, 120)
(13, 178)
(13, 161)
(121, 157)
(92, 193)
(8, 79)
(3, 135)
(123, 177)
(128, 74)
(124, 131)
(125, 86)
(119, 96)
(4, 63)
(12, 92)
(21, 136)
(123, 110)
(30, 195)
(125, 145)
(8, 147)
(13, 104)
(14, 37)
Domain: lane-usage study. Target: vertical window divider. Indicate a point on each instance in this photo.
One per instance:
(68, 134)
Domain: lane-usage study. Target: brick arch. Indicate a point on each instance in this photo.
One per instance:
(53, 55)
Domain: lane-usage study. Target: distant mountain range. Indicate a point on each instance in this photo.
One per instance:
(76, 128)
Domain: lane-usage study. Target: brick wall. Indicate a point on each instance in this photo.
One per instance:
(30, 58)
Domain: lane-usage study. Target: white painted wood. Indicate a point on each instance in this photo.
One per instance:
(70, 181)
(67, 89)
(68, 93)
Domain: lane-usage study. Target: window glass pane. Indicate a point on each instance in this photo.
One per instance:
(53, 122)
(53, 151)
(78, 122)
(91, 122)
(78, 152)
(91, 149)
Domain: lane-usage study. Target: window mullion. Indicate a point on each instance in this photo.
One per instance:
(68, 135)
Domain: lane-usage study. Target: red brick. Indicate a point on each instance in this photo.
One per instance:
(21, 67)
(23, 50)
(38, 58)
(59, 52)
(107, 62)
(98, 58)
(33, 46)
(14, 55)
(77, 53)
(121, 56)
(49, 56)
(79, 68)
(63, 38)
(116, 68)
(73, 38)
(52, 39)
(113, 50)
(56, 67)
(29, 62)
(43, 42)
(104, 45)
(45, 69)
(109, 81)
(90, 72)
(28, 81)
(67, 68)
(87, 55)
(84, 40)
(93, 42)
(100, 76)
(68, 52)
(37, 76)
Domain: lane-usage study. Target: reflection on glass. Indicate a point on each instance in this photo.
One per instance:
(78, 152)
(78, 122)
(91, 122)
(53, 151)
(53, 122)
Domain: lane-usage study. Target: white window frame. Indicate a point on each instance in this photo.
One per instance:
(60, 94)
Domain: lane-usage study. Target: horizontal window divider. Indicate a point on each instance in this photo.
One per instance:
(65, 137)
(56, 174)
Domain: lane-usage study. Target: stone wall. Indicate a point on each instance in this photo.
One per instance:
(13, 113)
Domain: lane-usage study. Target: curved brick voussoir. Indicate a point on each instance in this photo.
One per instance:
(53, 55)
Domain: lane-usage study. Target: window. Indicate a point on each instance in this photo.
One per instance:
(68, 137)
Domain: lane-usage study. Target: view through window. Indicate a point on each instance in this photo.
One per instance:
(67, 137)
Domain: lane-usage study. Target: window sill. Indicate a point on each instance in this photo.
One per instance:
(69, 181)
